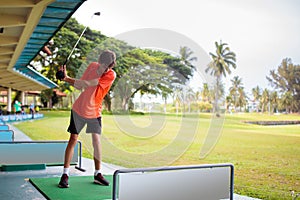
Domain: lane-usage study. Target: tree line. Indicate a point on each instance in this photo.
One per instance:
(282, 97)
(147, 71)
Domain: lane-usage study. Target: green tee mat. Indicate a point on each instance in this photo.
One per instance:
(81, 187)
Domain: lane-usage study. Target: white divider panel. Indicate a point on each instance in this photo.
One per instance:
(210, 183)
(14, 153)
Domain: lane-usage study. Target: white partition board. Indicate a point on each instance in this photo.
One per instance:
(188, 184)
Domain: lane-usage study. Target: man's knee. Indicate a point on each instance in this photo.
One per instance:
(73, 138)
(96, 139)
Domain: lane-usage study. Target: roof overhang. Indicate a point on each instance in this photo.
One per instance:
(26, 26)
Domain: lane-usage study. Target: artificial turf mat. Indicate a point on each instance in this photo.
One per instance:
(81, 187)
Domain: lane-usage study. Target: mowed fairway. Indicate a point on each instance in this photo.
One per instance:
(266, 158)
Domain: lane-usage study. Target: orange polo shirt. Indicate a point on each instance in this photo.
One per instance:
(89, 103)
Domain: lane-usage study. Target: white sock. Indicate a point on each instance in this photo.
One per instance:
(96, 172)
(66, 171)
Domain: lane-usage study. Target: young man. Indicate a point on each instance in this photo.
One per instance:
(96, 82)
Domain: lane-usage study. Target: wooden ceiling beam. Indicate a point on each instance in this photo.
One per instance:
(10, 20)
(17, 3)
(7, 50)
(6, 40)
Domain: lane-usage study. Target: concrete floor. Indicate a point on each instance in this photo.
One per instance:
(16, 185)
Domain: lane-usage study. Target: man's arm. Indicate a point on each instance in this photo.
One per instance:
(81, 84)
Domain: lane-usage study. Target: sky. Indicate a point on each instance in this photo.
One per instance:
(260, 32)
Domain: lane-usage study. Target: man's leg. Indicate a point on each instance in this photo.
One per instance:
(70, 150)
(97, 150)
(63, 183)
(98, 178)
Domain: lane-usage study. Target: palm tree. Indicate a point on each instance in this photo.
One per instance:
(220, 65)
(190, 97)
(205, 94)
(178, 98)
(187, 59)
(274, 100)
(164, 96)
(186, 56)
(256, 95)
(242, 98)
(228, 102)
(287, 101)
(234, 90)
(218, 91)
(265, 97)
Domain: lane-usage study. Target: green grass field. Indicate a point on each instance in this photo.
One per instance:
(266, 158)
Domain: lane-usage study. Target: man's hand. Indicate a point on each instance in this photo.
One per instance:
(64, 69)
(61, 74)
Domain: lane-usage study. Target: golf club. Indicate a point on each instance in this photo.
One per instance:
(60, 73)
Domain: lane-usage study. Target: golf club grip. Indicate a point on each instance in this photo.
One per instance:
(60, 74)
(65, 62)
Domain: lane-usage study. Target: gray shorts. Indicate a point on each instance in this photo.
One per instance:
(77, 123)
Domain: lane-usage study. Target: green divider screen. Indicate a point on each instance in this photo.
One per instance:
(23, 167)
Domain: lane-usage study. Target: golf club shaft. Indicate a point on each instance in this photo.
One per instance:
(75, 46)
(98, 14)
